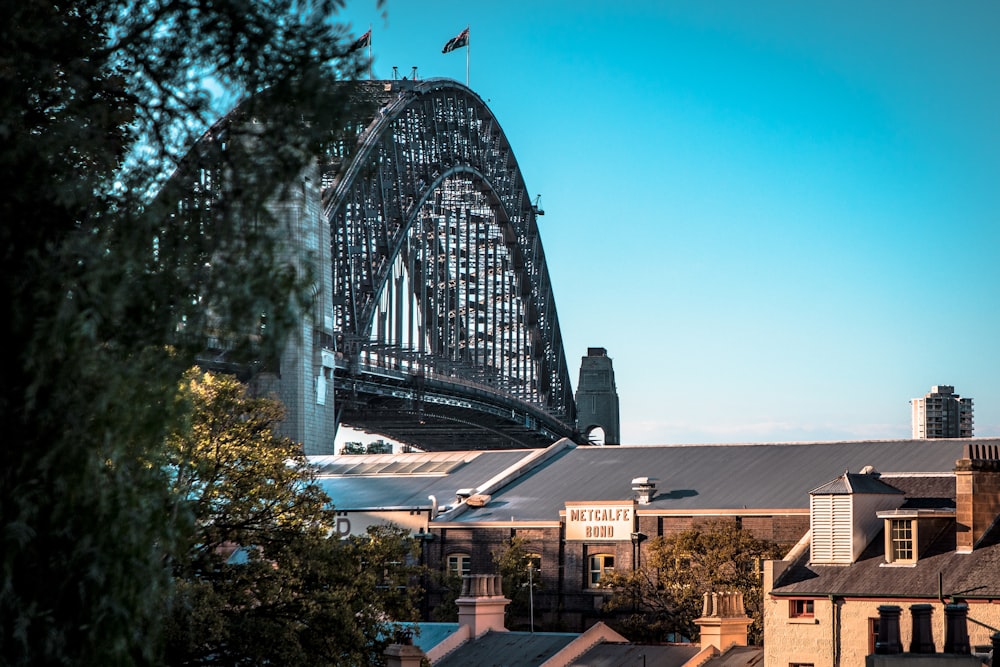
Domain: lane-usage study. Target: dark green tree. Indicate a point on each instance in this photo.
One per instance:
(663, 596)
(108, 292)
(512, 561)
(264, 578)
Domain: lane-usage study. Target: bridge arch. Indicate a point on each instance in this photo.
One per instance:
(440, 291)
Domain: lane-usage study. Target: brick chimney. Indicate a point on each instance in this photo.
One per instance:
(977, 494)
(481, 604)
(723, 621)
(402, 652)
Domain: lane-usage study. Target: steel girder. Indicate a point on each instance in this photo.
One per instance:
(438, 269)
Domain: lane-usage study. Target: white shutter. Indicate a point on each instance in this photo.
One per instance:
(830, 519)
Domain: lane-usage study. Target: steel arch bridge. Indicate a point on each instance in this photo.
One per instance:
(445, 333)
(435, 323)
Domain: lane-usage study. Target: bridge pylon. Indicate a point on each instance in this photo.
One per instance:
(597, 397)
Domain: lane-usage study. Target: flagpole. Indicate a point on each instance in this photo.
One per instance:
(369, 52)
(468, 47)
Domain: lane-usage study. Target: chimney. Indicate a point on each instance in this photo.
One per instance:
(723, 621)
(888, 630)
(922, 640)
(481, 604)
(402, 652)
(977, 494)
(956, 629)
(645, 489)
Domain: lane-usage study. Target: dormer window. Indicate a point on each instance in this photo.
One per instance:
(901, 548)
(909, 531)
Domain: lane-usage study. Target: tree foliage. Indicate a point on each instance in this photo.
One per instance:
(263, 577)
(664, 594)
(512, 562)
(108, 293)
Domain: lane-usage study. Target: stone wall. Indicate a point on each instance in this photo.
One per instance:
(846, 628)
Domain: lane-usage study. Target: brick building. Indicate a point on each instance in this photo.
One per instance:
(584, 510)
(926, 542)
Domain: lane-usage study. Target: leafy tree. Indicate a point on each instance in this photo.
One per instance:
(664, 594)
(512, 562)
(264, 579)
(376, 447)
(353, 448)
(108, 294)
(448, 584)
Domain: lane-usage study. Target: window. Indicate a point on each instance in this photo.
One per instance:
(872, 634)
(600, 564)
(459, 564)
(800, 608)
(901, 540)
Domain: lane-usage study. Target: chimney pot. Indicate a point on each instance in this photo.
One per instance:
(923, 638)
(888, 630)
(645, 489)
(956, 629)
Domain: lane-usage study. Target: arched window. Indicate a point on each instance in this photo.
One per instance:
(459, 564)
(600, 564)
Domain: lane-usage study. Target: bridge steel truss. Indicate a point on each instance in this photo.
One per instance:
(445, 331)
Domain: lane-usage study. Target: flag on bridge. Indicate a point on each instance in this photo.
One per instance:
(361, 42)
(457, 42)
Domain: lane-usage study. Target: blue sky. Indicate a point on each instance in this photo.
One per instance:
(782, 219)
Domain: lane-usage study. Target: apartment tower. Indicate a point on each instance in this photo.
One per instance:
(942, 414)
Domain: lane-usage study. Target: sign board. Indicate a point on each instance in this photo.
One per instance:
(600, 521)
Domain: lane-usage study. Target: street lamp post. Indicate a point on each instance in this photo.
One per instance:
(531, 595)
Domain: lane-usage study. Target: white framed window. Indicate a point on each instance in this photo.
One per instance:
(600, 565)
(902, 546)
(459, 564)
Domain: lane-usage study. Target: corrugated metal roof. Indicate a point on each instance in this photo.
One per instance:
(707, 477)
(428, 635)
(738, 656)
(651, 655)
(375, 481)
(853, 482)
(509, 649)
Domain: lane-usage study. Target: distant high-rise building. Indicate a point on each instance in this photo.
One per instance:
(942, 414)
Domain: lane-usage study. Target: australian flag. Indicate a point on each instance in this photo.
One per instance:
(361, 42)
(457, 42)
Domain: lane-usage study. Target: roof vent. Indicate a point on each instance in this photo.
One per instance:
(462, 494)
(645, 489)
(478, 500)
(870, 470)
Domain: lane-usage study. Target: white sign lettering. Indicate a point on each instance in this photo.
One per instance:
(603, 522)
